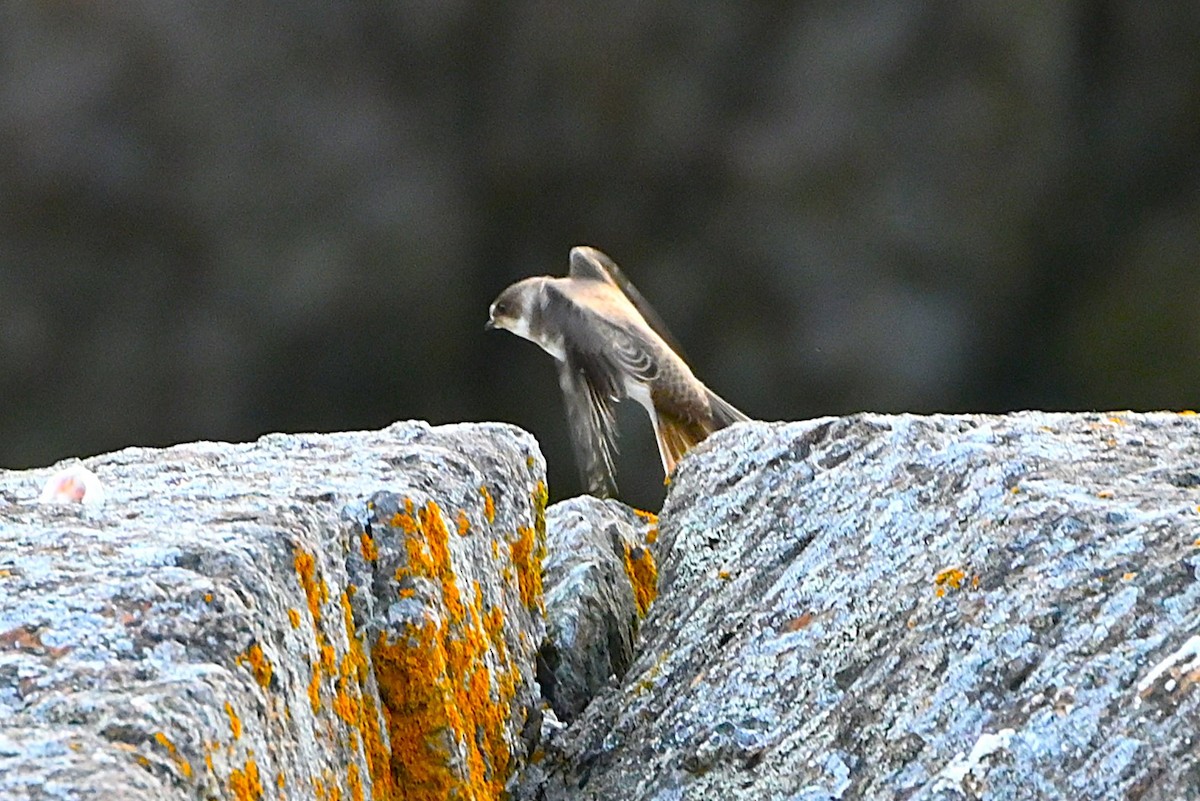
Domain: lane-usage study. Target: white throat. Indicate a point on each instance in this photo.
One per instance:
(550, 343)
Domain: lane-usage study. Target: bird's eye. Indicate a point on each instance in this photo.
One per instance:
(499, 309)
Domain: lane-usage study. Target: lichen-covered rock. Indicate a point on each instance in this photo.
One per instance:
(914, 607)
(313, 616)
(600, 580)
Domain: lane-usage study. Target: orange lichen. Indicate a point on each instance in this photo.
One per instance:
(208, 596)
(328, 656)
(464, 525)
(529, 549)
(651, 525)
(448, 712)
(527, 559)
(419, 561)
(437, 539)
(294, 618)
(493, 624)
(489, 505)
(428, 551)
(421, 709)
(355, 783)
(279, 780)
(405, 520)
(245, 785)
(643, 576)
(259, 664)
(185, 767)
(447, 684)
(951, 577)
(235, 723)
(346, 705)
(306, 568)
(314, 688)
(541, 497)
(354, 702)
(369, 551)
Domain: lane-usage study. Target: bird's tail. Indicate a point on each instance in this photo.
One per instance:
(677, 435)
(723, 414)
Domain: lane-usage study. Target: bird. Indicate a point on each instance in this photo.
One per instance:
(609, 345)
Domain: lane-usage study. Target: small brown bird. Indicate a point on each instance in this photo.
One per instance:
(610, 345)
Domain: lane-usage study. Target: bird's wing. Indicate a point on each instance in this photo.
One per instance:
(606, 348)
(593, 428)
(599, 357)
(587, 262)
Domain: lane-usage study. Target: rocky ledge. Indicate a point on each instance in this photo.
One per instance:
(867, 607)
(341, 616)
(913, 607)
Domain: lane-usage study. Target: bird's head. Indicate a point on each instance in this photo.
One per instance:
(514, 308)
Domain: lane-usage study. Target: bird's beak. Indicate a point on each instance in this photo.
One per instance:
(489, 325)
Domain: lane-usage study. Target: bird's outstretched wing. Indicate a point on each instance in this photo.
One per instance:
(587, 262)
(598, 359)
(593, 428)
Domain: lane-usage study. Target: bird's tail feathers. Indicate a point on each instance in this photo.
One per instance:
(677, 435)
(723, 414)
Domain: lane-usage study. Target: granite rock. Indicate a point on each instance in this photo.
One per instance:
(913, 607)
(347, 615)
(600, 580)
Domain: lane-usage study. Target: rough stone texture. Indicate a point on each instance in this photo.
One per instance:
(251, 620)
(600, 578)
(914, 607)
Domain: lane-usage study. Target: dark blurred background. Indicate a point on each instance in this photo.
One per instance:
(221, 219)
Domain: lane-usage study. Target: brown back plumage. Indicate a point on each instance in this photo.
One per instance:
(679, 433)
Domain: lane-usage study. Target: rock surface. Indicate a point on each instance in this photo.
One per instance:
(309, 616)
(869, 607)
(913, 607)
(600, 580)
